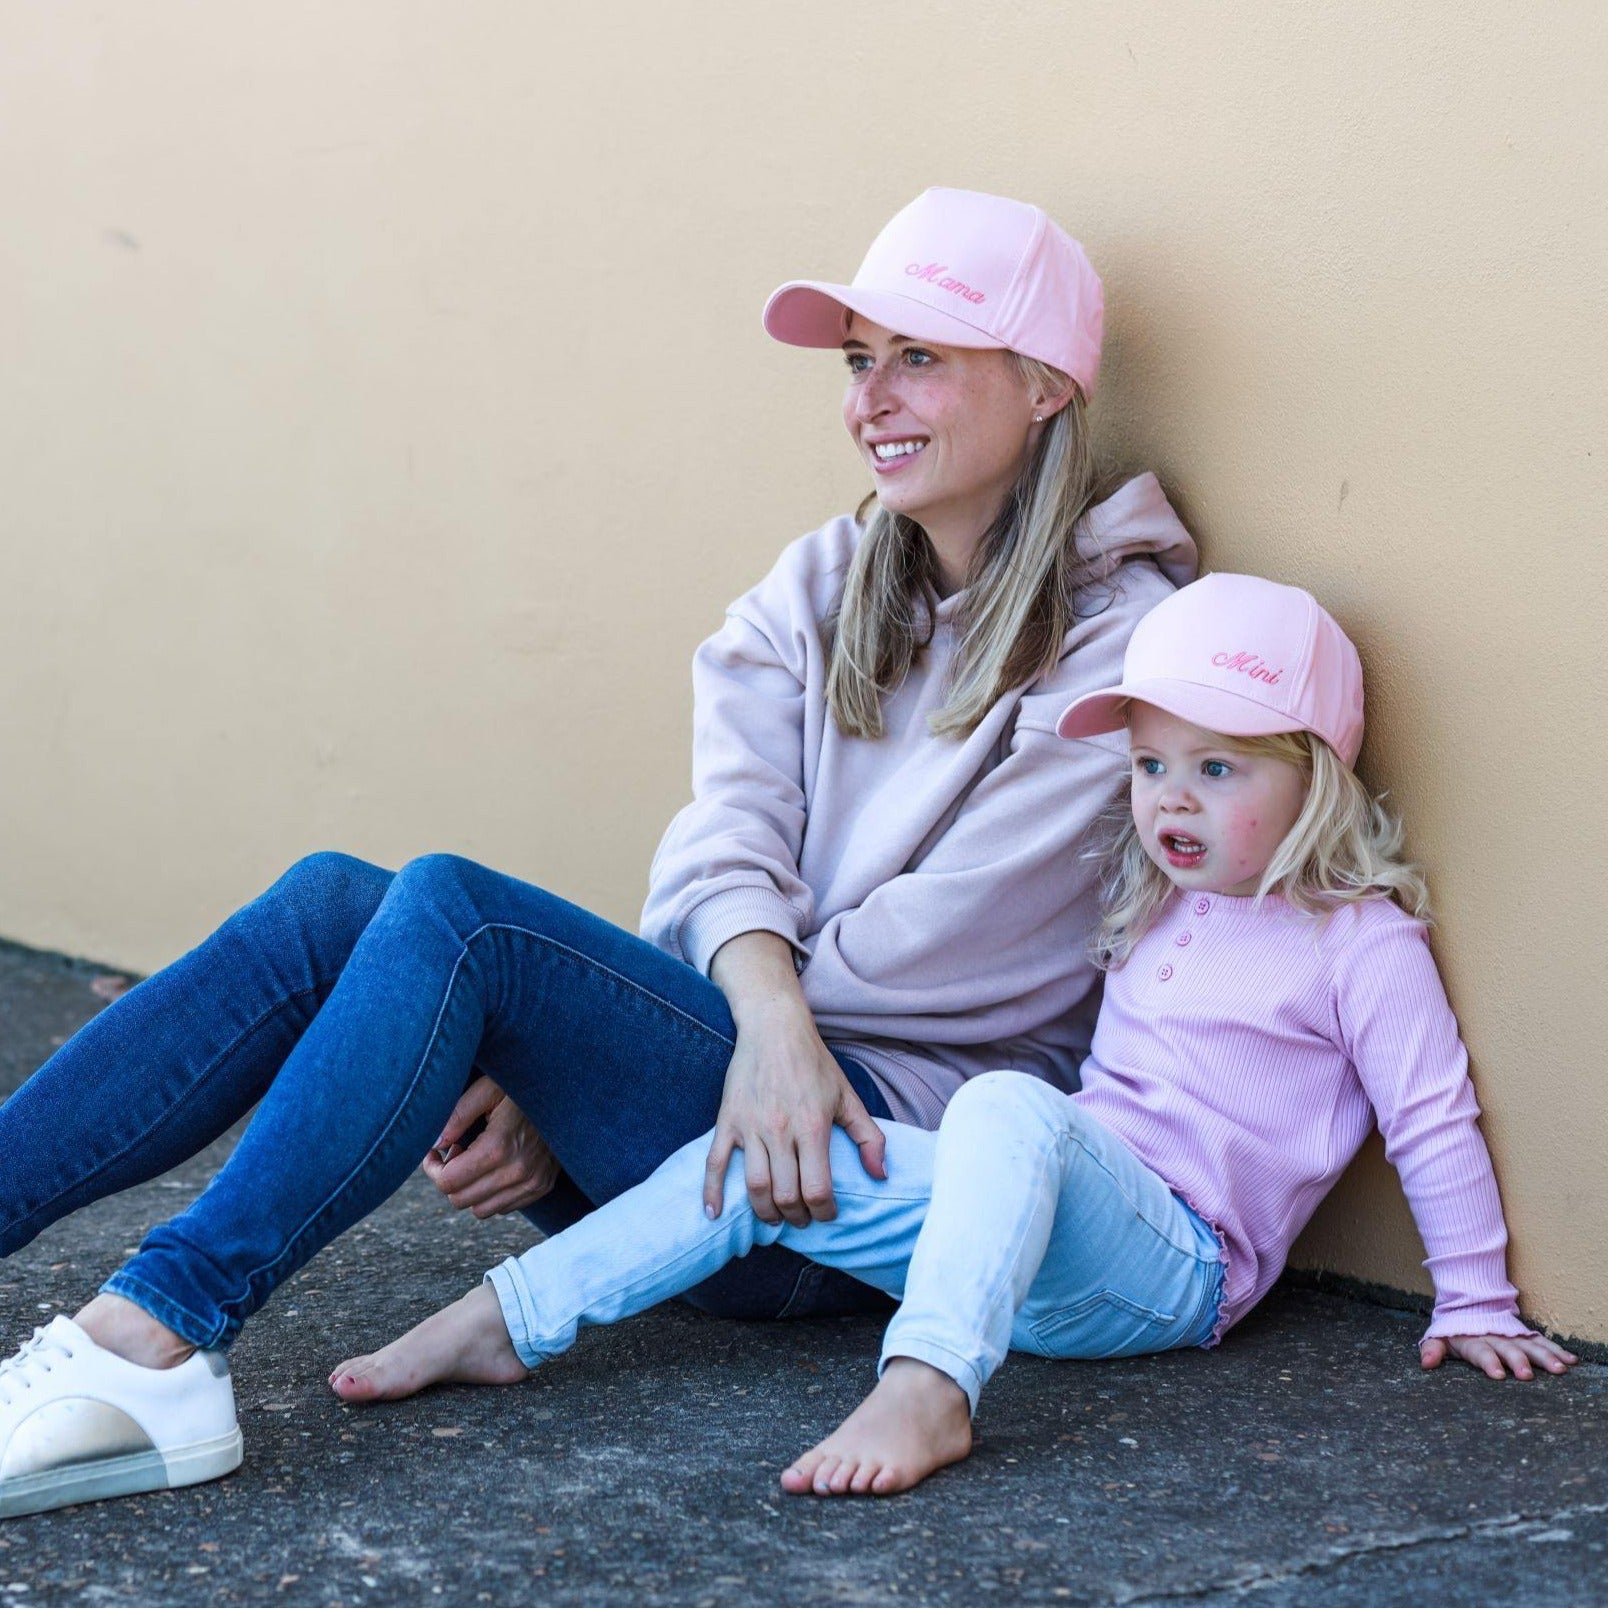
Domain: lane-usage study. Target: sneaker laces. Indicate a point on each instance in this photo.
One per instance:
(19, 1373)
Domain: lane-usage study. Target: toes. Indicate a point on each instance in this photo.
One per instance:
(800, 1478)
(865, 1477)
(353, 1387)
(367, 1379)
(825, 1470)
(350, 1369)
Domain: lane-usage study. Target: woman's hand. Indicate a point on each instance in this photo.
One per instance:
(784, 1093)
(502, 1167)
(1488, 1353)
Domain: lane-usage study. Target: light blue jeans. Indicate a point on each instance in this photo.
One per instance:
(1022, 1224)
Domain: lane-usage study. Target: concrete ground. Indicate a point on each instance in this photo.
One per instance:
(1307, 1461)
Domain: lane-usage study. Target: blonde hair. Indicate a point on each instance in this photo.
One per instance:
(1021, 590)
(1345, 846)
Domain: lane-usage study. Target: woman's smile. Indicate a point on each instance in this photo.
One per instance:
(888, 457)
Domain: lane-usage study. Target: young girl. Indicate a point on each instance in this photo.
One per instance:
(1270, 996)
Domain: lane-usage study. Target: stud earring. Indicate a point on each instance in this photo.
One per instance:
(1038, 418)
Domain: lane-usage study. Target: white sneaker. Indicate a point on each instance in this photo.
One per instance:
(78, 1424)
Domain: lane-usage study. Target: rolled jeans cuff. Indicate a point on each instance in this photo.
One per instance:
(508, 1281)
(216, 1335)
(945, 1361)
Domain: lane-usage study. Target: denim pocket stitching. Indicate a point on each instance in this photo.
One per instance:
(1047, 1327)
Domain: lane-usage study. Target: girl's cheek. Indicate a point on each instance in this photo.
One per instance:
(1244, 836)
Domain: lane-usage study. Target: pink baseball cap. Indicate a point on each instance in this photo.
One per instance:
(963, 269)
(1240, 655)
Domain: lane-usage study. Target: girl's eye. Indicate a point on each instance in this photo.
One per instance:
(1148, 767)
(1216, 768)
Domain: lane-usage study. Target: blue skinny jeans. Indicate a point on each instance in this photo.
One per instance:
(355, 1004)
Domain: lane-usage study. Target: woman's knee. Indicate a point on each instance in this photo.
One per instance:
(435, 877)
(454, 882)
(332, 887)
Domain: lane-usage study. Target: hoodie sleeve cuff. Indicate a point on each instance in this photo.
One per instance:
(723, 916)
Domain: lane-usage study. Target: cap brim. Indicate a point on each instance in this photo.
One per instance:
(1096, 713)
(808, 312)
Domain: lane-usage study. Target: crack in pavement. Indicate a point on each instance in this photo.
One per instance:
(1509, 1526)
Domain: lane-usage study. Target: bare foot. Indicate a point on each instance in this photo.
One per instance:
(130, 1332)
(463, 1344)
(914, 1422)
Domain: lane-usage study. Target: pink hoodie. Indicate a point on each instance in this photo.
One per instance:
(935, 889)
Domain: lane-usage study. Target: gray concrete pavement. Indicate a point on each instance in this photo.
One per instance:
(1307, 1461)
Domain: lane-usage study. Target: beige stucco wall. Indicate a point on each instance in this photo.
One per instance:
(385, 416)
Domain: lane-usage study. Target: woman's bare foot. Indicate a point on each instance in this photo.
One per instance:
(464, 1344)
(130, 1332)
(914, 1422)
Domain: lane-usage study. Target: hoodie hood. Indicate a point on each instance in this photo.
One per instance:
(1137, 521)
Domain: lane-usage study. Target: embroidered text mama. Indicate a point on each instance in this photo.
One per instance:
(937, 273)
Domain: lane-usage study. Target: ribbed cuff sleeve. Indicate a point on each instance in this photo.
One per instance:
(1466, 1321)
(722, 916)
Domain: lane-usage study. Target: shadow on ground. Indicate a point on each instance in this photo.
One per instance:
(1307, 1461)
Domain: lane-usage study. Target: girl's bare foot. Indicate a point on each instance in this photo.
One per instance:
(130, 1332)
(464, 1344)
(914, 1422)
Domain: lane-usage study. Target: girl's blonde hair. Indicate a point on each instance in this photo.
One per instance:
(1344, 846)
(1021, 592)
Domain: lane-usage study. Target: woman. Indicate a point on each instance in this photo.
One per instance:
(875, 894)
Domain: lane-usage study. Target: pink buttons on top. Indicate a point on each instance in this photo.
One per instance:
(1184, 939)
(1202, 906)
(1164, 973)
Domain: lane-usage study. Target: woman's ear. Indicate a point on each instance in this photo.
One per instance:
(1047, 403)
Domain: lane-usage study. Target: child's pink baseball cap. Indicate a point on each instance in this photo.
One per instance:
(962, 269)
(1239, 655)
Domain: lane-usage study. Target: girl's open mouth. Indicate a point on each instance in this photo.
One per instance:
(1182, 851)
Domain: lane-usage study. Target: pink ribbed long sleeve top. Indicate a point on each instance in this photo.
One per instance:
(1244, 1054)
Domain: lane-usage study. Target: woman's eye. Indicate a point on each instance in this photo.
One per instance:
(917, 357)
(858, 362)
(1216, 768)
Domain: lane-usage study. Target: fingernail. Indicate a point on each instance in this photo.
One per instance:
(709, 1211)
